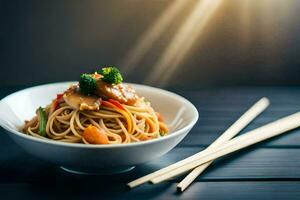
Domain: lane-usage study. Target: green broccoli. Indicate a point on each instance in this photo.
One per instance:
(87, 84)
(111, 75)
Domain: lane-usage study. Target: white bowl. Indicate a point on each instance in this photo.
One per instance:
(178, 113)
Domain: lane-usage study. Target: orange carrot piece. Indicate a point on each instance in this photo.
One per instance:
(94, 135)
(159, 117)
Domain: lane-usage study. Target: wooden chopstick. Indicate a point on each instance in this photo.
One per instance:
(252, 137)
(232, 131)
(243, 121)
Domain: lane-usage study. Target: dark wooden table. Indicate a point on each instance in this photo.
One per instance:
(269, 170)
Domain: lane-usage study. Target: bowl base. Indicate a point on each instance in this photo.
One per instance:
(106, 172)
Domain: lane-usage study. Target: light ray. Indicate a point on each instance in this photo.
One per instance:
(182, 42)
(137, 53)
(246, 21)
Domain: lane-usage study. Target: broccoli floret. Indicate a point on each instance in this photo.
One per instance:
(87, 84)
(111, 75)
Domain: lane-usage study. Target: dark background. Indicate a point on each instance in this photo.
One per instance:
(245, 42)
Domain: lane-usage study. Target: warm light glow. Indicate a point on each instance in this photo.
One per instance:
(245, 18)
(257, 28)
(182, 41)
(137, 53)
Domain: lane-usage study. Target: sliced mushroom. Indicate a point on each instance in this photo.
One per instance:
(79, 101)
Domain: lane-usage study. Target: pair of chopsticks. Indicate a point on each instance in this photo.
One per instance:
(224, 145)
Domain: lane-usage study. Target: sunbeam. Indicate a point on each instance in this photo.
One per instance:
(182, 42)
(146, 41)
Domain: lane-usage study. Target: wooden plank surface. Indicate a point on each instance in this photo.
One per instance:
(218, 109)
(274, 190)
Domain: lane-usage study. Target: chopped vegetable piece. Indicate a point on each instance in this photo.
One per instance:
(94, 135)
(87, 84)
(111, 75)
(113, 104)
(54, 105)
(162, 133)
(107, 104)
(42, 121)
(116, 103)
(59, 96)
(159, 117)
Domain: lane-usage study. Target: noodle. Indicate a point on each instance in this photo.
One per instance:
(133, 124)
